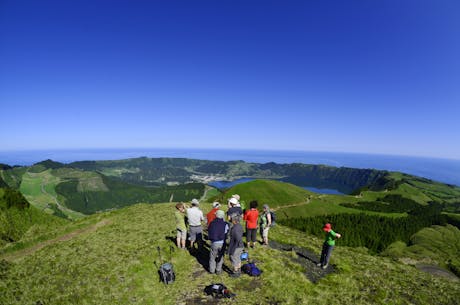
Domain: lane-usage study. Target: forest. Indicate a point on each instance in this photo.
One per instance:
(374, 232)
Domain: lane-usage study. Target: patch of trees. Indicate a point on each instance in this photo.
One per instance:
(121, 194)
(14, 198)
(343, 179)
(370, 231)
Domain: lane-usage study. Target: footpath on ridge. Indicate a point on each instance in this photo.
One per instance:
(27, 251)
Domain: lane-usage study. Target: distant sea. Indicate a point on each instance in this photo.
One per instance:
(442, 170)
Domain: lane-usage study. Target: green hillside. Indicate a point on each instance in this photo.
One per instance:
(18, 218)
(73, 193)
(271, 192)
(159, 171)
(109, 259)
(438, 245)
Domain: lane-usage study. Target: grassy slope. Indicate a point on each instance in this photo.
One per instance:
(438, 245)
(19, 223)
(114, 265)
(271, 192)
(40, 190)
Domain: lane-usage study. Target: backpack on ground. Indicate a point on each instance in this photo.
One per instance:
(251, 269)
(166, 270)
(218, 291)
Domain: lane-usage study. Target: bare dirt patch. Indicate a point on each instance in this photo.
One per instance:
(437, 271)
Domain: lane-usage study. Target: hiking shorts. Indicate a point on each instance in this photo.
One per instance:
(265, 232)
(182, 234)
(251, 235)
(195, 231)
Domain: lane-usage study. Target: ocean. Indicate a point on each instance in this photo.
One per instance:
(442, 170)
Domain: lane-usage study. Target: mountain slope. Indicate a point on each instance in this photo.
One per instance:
(18, 218)
(114, 264)
(72, 193)
(271, 192)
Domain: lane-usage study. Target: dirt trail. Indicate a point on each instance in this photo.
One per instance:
(24, 252)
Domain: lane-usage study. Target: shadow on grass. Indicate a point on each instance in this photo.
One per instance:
(305, 258)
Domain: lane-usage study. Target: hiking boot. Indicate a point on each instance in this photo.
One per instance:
(235, 274)
(219, 272)
(325, 266)
(318, 265)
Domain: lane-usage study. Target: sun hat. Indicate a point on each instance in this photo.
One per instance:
(195, 202)
(236, 196)
(215, 204)
(327, 227)
(220, 214)
(233, 200)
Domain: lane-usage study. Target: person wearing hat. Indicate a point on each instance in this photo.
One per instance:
(233, 208)
(217, 233)
(328, 245)
(195, 217)
(236, 246)
(212, 214)
(241, 203)
(265, 223)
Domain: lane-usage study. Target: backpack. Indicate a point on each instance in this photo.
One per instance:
(244, 256)
(251, 269)
(218, 291)
(167, 274)
(273, 216)
(166, 270)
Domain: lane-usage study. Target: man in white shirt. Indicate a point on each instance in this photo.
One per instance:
(195, 218)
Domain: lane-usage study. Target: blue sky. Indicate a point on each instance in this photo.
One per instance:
(340, 76)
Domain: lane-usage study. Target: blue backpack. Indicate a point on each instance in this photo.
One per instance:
(251, 269)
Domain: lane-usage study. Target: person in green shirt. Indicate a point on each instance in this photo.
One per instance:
(181, 228)
(328, 245)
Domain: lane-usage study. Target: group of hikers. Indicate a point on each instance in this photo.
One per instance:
(225, 231)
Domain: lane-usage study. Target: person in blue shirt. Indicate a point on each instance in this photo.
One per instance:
(217, 233)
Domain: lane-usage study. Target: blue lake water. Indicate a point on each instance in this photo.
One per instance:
(228, 184)
(323, 191)
(443, 170)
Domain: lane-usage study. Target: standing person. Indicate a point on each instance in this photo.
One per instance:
(212, 214)
(328, 245)
(235, 247)
(233, 208)
(195, 217)
(251, 216)
(217, 232)
(181, 228)
(265, 223)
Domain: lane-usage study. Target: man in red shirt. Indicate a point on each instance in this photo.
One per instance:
(212, 214)
(251, 216)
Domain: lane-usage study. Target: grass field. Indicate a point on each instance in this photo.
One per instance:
(110, 258)
(40, 190)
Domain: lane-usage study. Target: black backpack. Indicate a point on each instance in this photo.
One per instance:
(166, 270)
(273, 216)
(218, 291)
(167, 274)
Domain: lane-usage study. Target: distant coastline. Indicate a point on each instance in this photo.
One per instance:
(442, 170)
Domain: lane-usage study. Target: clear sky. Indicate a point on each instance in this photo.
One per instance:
(351, 76)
